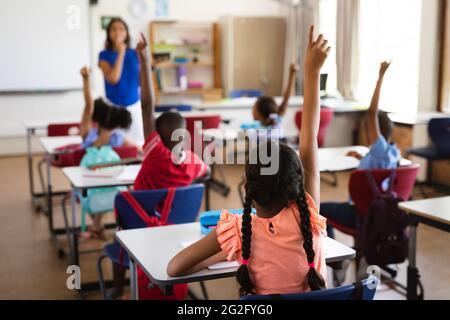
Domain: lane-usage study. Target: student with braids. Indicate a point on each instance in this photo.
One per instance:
(280, 248)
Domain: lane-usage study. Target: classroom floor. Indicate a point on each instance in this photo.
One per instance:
(31, 269)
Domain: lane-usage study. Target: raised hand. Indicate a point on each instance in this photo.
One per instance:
(384, 66)
(85, 72)
(141, 45)
(316, 53)
(294, 68)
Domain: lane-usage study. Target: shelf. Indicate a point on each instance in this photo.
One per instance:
(187, 65)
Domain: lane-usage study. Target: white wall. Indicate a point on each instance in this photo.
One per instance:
(17, 108)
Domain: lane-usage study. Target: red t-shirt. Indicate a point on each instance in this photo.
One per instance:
(160, 171)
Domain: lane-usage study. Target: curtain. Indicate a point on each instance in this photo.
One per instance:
(444, 87)
(347, 47)
(299, 19)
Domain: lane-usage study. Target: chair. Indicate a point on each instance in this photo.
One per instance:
(439, 133)
(364, 290)
(177, 107)
(185, 208)
(251, 93)
(207, 122)
(362, 196)
(326, 115)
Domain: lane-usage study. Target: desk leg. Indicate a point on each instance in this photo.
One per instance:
(49, 193)
(413, 272)
(133, 281)
(30, 163)
(74, 237)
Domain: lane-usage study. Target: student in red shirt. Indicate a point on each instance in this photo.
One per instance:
(165, 165)
(162, 166)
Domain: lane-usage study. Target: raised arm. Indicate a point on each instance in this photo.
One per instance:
(147, 100)
(373, 126)
(86, 118)
(288, 91)
(112, 73)
(316, 54)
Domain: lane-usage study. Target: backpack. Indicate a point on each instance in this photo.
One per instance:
(98, 200)
(383, 237)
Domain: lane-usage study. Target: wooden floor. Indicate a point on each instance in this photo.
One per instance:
(31, 269)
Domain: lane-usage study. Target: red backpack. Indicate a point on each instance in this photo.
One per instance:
(147, 290)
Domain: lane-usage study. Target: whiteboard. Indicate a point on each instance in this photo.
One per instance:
(43, 44)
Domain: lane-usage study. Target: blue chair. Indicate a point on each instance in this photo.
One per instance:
(171, 107)
(439, 133)
(185, 208)
(251, 93)
(363, 290)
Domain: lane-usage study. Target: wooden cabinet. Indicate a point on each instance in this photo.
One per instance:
(253, 53)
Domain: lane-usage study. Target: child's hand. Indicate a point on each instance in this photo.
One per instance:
(121, 47)
(141, 45)
(354, 154)
(294, 68)
(85, 72)
(383, 68)
(317, 52)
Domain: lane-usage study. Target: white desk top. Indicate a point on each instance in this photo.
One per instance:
(418, 118)
(51, 143)
(82, 178)
(338, 105)
(437, 209)
(152, 249)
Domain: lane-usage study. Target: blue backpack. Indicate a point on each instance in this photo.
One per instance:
(99, 200)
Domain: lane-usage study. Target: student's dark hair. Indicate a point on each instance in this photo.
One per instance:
(167, 123)
(386, 125)
(110, 117)
(275, 192)
(265, 107)
(109, 45)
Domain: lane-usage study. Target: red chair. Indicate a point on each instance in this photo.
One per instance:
(207, 122)
(63, 129)
(362, 195)
(326, 115)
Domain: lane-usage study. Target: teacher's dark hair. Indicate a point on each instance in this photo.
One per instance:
(109, 44)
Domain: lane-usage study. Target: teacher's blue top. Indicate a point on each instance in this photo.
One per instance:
(126, 91)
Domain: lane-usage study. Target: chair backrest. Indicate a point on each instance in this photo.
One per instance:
(369, 287)
(362, 195)
(207, 122)
(126, 152)
(439, 131)
(251, 93)
(63, 129)
(326, 115)
(170, 107)
(185, 206)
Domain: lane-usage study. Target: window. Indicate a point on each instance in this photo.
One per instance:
(327, 11)
(390, 30)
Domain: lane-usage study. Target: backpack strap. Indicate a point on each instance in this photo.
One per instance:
(357, 293)
(372, 183)
(149, 221)
(167, 205)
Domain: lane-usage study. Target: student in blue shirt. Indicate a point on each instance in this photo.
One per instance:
(382, 155)
(120, 66)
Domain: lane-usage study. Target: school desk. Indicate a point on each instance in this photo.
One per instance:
(152, 248)
(432, 212)
(81, 179)
(50, 146)
(32, 127)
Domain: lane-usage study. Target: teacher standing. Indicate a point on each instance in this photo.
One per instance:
(120, 66)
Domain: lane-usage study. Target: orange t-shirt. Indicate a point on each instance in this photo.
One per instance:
(277, 263)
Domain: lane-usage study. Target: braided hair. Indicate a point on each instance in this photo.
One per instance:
(275, 192)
